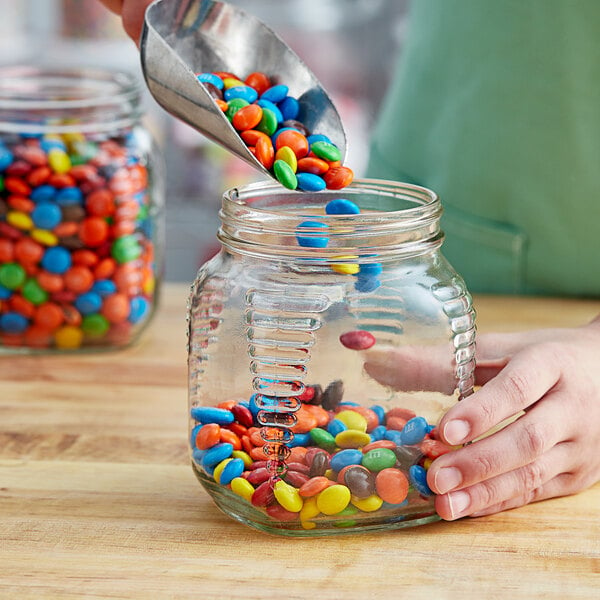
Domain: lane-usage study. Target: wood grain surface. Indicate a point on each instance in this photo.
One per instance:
(97, 498)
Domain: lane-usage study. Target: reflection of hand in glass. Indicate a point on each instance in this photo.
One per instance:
(552, 378)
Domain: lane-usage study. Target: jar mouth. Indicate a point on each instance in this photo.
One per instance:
(40, 100)
(394, 217)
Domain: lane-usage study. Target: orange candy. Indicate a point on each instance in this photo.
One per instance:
(93, 231)
(100, 203)
(247, 117)
(295, 140)
(251, 136)
(265, 152)
(305, 420)
(208, 436)
(7, 251)
(84, 257)
(27, 250)
(115, 308)
(313, 164)
(79, 279)
(105, 268)
(314, 486)
(51, 282)
(391, 485)
(259, 81)
(231, 438)
(49, 316)
(338, 177)
(21, 305)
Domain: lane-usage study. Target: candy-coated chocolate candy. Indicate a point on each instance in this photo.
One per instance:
(217, 453)
(345, 268)
(233, 468)
(286, 154)
(268, 122)
(418, 479)
(319, 463)
(275, 93)
(286, 176)
(352, 420)
(341, 206)
(337, 178)
(263, 495)
(209, 414)
(310, 240)
(309, 182)
(243, 488)
(352, 439)
(414, 431)
(287, 496)
(314, 486)
(247, 117)
(379, 459)
(326, 151)
(322, 438)
(346, 457)
(310, 510)
(335, 426)
(369, 504)
(333, 395)
(333, 499)
(358, 339)
(391, 485)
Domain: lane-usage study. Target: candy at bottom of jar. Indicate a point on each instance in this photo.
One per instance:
(345, 465)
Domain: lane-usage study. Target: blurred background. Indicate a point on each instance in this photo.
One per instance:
(351, 45)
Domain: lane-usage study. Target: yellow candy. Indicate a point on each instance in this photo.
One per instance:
(309, 511)
(244, 456)
(59, 160)
(45, 237)
(286, 154)
(369, 504)
(19, 219)
(352, 439)
(333, 499)
(68, 337)
(345, 268)
(219, 469)
(427, 463)
(230, 82)
(352, 420)
(288, 496)
(242, 487)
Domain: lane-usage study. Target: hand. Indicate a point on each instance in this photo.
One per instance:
(132, 14)
(552, 378)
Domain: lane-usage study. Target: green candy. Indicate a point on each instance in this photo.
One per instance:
(12, 275)
(349, 511)
(234, 105)
(378, 459)
(326, 151)
(95, 325)
(34, 293)
(268, 123)
(125, 249)
(285, 175)
(323, 439)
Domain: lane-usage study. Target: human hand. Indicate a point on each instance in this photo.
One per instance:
(551, 376)
(131, 13)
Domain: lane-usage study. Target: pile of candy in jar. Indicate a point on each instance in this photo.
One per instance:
(266, 118)
(345, 460)
(76, 252)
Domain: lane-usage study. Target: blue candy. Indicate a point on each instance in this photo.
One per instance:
(417, 476)
(414, 431)
(366, 284)
(234, 468)
(5, 293)
(335, 426)
(340, 206)
(370, 269)
(104, 287)
(68, 196)
(194, 433)
(289, 107)
(46, 215)
(56, 259)
(214, 455)
(312, 242)
(346, 457)
(211, 78)
(309, 182)
(6, 158)
(138, 308)
(300, 439)
(88, 303)
(48, 144)
(212, 414)
(276, 93)
(43, 193)
(318, 137)
(393, 436)
(379, 411)
(13, 322)
(378, 433)
(273, 107)
(245, 92)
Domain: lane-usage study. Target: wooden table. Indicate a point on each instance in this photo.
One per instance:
(98, 500)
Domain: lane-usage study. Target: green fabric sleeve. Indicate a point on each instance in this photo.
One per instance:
(496, 107)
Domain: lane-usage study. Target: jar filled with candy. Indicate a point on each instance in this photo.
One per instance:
(326, 340)
(81, 210)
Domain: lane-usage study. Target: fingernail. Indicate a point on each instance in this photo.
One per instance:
(458, 502)
(456, 431)
(447, 479)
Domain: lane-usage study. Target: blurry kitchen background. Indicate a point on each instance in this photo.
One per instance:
(351, 45)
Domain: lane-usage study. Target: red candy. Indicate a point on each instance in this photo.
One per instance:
(358, 339)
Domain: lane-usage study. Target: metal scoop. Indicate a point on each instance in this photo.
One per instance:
(181, 38)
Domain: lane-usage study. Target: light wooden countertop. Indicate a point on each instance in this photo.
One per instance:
(98, 500)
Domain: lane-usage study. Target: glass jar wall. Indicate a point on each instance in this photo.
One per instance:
(326, 340)
(81, 234)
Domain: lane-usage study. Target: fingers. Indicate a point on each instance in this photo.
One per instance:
(542, 478)
(528, 376)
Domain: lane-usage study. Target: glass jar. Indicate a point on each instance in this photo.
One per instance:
(323, 350)
(81, 211)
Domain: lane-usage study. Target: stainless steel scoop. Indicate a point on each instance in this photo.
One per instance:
(181, 38)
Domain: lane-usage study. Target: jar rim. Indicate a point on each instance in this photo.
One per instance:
(396, 218)
(48, 99)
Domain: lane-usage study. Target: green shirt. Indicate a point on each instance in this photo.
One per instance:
(496, 107)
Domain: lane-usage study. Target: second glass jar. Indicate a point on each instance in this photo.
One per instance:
(326, 340)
